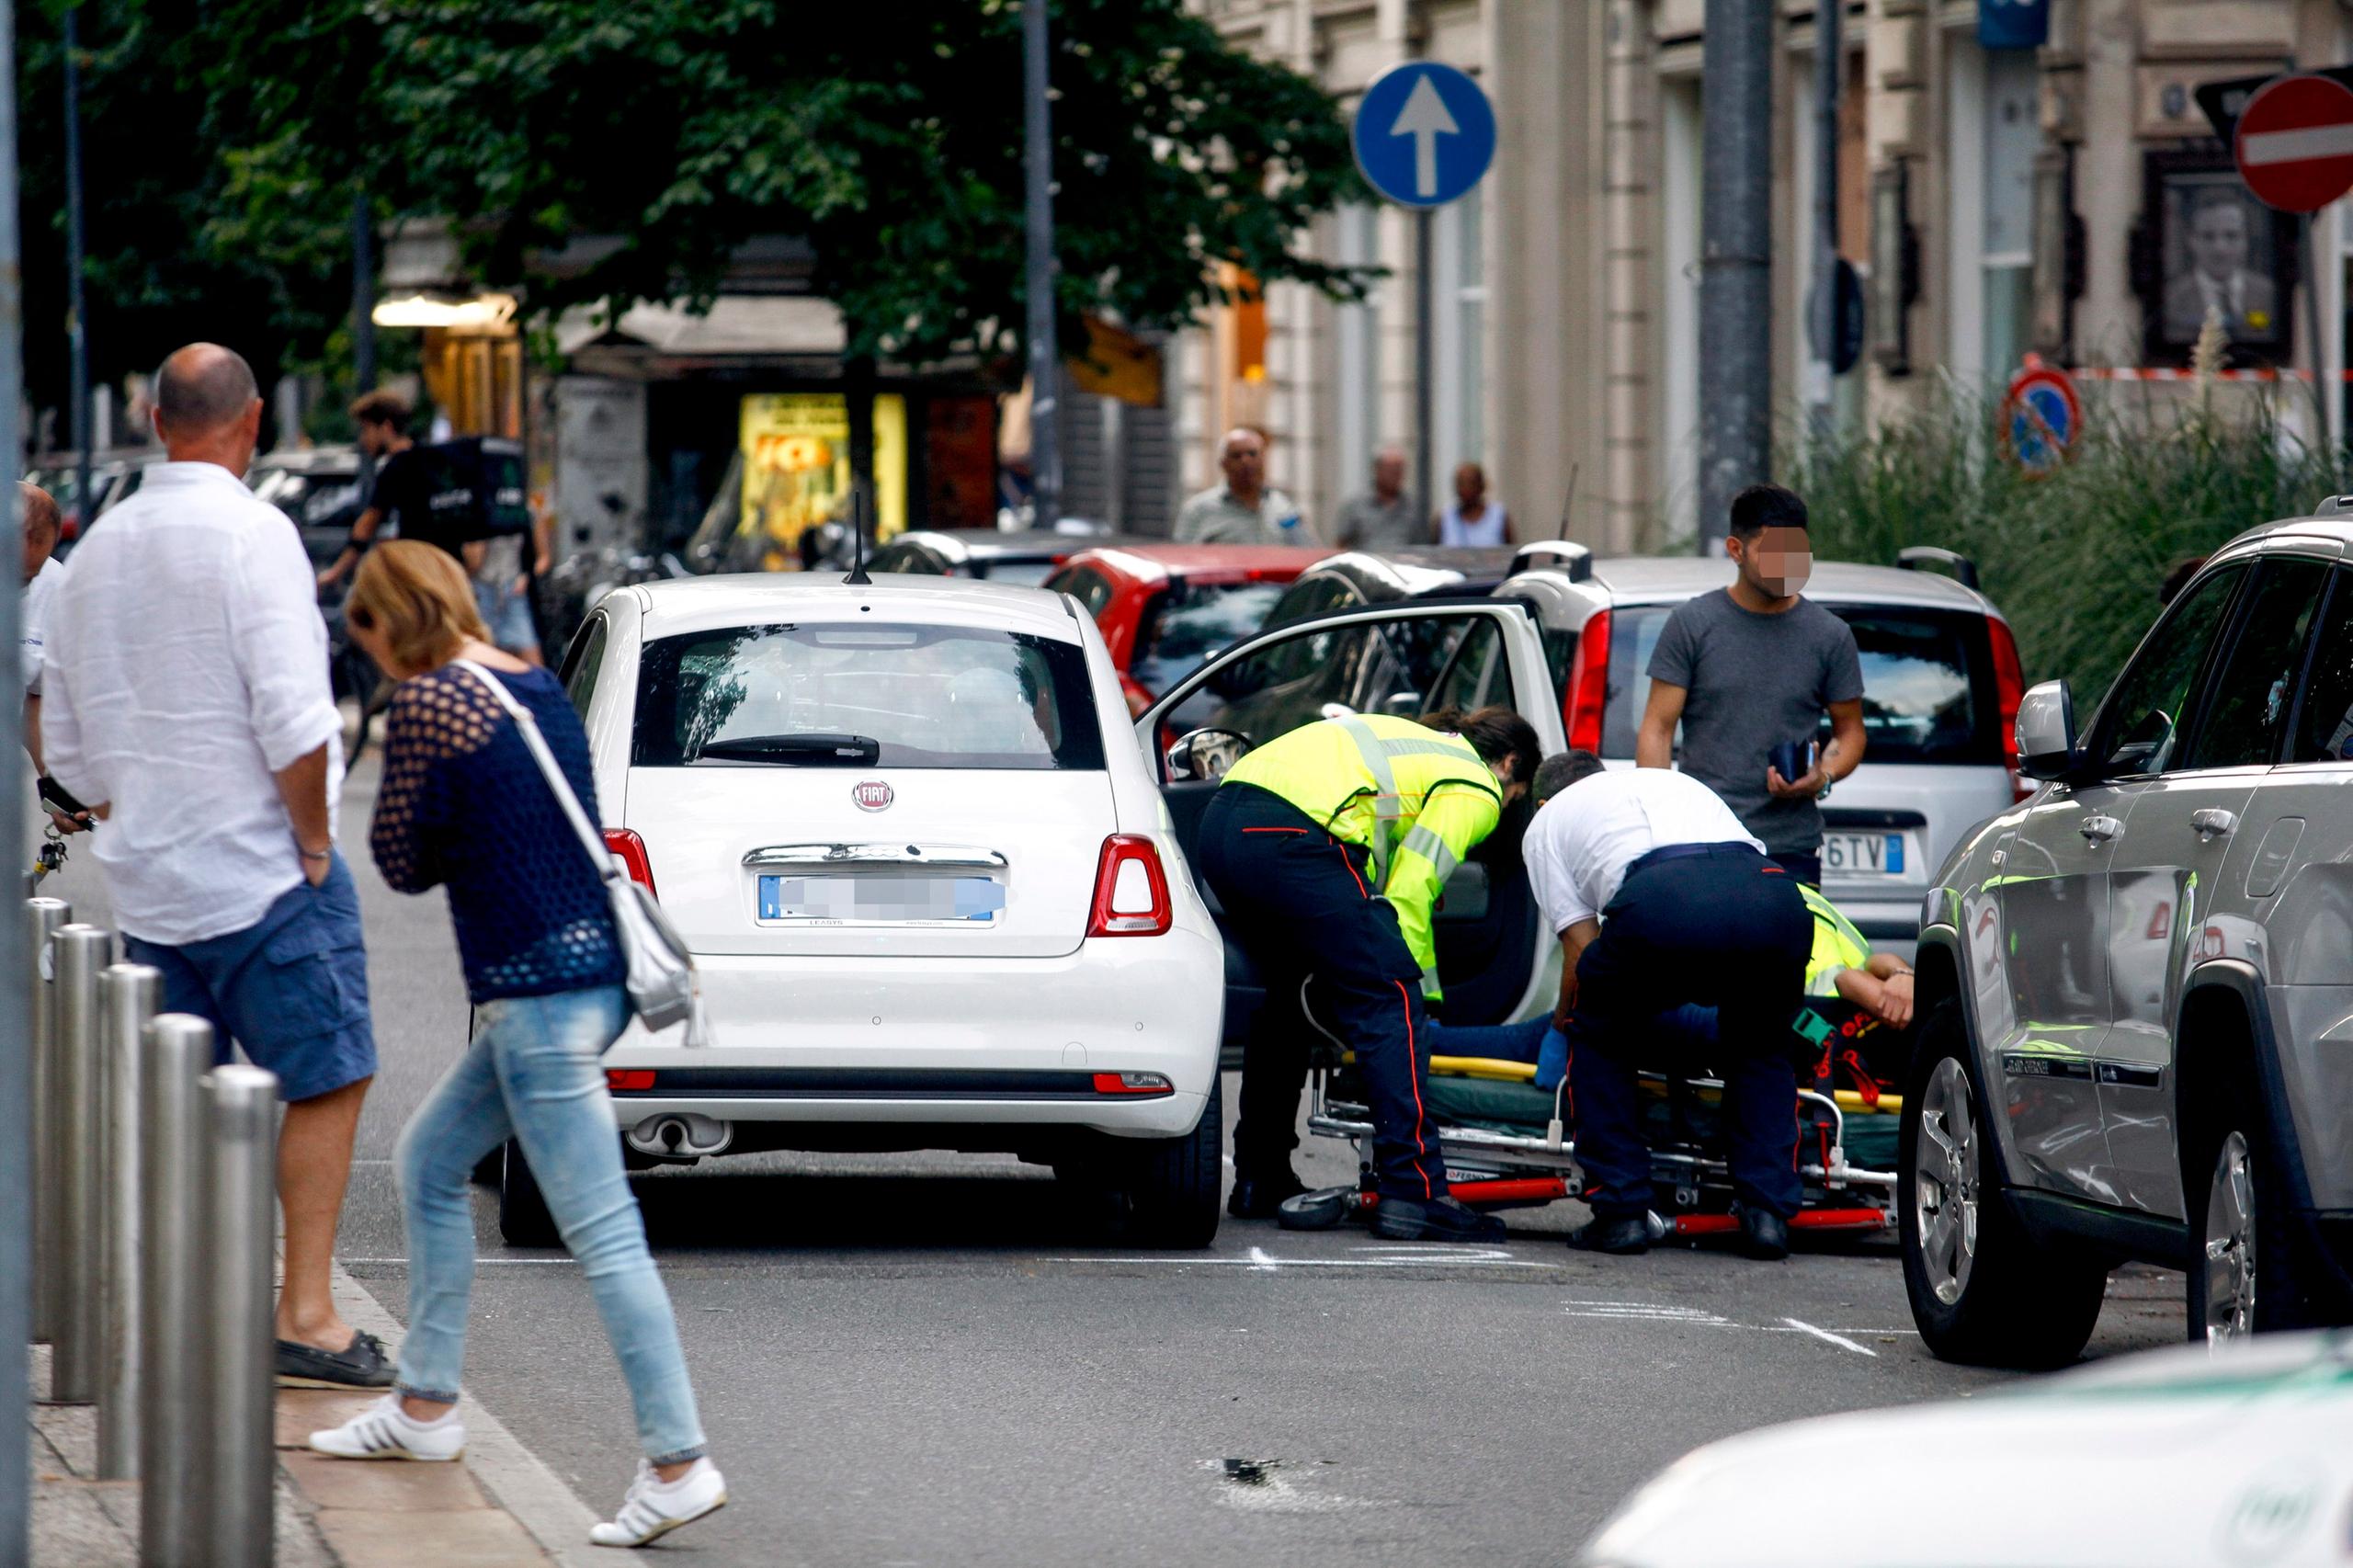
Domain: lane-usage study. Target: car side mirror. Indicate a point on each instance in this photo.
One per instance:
(1205, 755)
(2046, 730)
(1403, 704)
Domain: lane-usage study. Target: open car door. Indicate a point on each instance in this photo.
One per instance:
(1492, 955)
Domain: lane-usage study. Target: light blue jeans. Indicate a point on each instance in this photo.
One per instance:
(533, 1072)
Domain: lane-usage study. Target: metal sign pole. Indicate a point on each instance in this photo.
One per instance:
(129, 995)
(1425, 356)
(1038, 188)
(15, 1070)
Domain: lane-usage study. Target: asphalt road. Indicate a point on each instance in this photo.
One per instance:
(919, 1361)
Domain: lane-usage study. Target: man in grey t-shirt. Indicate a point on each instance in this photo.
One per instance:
(1385, 518)
(1751, 666)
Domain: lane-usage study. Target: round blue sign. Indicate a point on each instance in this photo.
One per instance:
(1424, 133)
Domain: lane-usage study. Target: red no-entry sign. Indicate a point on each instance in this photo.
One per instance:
(2295, 142)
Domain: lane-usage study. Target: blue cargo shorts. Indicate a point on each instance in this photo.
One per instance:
(292, 989)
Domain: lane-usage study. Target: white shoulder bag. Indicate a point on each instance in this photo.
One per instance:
(662, 983)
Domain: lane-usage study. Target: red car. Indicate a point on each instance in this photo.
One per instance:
(1164, 607)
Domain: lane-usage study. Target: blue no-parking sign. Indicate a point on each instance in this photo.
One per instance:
(1424, 133)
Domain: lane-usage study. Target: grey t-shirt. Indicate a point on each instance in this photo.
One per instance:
(1753, 682)
(1369, 523)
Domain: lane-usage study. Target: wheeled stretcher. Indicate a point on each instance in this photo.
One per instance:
(1507, 1144)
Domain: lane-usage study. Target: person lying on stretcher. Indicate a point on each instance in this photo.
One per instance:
(1842, 968)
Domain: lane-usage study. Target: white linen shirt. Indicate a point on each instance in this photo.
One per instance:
(186, 663)
(1581, 842)
(34, 617)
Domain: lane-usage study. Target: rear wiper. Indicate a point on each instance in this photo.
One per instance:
(808, 749)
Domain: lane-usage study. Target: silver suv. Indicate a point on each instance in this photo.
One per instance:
(2136, 987)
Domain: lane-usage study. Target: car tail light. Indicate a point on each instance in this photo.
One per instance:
(1588, 688)
(1131, 890)
(2009, 686)
(627, 1078)
(631, 850)
(1131, 1084)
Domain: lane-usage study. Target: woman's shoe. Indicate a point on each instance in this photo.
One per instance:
(654, 1507)
(385, 1431)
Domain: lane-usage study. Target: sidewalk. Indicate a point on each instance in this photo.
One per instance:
(331, 1513)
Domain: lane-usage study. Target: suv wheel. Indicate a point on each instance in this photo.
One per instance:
(1982, 1291)
(2241, 1276)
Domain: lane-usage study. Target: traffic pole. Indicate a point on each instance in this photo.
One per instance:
(77, 331)
(45, 917)
(1735, 260)
(1425, 367)
(16, 1066)
(174, 1420)
(241, 1197)
(1037, 188)
(1828, 61)
(129, 995)
(76, 954)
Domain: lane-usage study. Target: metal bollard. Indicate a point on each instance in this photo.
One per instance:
(44, 916)
(241, 1200)
(129, 995)
(175, 1417)
(76, 954)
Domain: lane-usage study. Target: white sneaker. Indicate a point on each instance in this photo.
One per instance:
(385, 1431)
(655, 1508)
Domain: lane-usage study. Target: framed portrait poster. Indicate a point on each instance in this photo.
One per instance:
(2213, 248)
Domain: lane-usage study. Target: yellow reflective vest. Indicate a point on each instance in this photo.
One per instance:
(1836, 945)
(1415, 799)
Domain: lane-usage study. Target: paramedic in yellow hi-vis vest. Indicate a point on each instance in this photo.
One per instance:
(1327, 848)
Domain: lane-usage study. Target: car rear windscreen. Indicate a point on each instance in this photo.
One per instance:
(1021, 573)
(1180, 629)
(855, 694)
(1928, 692)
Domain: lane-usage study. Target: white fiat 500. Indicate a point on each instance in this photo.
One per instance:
(931, 889)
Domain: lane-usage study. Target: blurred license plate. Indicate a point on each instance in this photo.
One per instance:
(1863, 853)
(869, 900)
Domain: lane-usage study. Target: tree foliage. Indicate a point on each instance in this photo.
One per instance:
(888, 137)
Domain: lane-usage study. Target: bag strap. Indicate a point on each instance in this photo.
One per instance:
(528, 726)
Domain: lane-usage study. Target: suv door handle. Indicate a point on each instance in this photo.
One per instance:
(2212, 822)
(2099, 829)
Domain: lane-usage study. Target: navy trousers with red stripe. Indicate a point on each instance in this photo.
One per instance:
(1727, 929)
(1300, 902)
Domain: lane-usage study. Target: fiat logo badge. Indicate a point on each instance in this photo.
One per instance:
(874, 795)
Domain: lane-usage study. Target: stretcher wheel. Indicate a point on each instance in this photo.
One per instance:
(1319, 1211)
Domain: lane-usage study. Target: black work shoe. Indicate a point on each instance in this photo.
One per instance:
(1258, 1197)
(1764, 1234)
(1627, 1236)
(359, 1365)
(1442, 1219)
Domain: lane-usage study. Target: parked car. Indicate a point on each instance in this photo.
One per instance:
(1164, 607)
(1495, 958)
(931, 895)
(2171, 1456)
(60, 474)
(2134, 984)
(319, 490)
(1941, 688)
(1026, 559)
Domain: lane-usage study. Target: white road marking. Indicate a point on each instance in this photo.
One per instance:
(1260, 1263)
(1838, 1339)
(478, 1263)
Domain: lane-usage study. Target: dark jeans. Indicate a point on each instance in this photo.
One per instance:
(1806, 867)
(1725, 929)
(1300, 902)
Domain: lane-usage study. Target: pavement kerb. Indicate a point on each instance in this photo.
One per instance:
(515, 1483)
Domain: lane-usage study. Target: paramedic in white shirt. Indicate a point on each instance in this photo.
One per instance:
(185, 697)
(1661, 898)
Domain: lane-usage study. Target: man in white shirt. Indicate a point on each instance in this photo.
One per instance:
(41, 525)
(185, 697)
(1660, 898)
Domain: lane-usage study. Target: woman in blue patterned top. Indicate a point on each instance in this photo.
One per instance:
(463, 805)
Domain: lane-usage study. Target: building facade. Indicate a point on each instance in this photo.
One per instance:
(2069, 201)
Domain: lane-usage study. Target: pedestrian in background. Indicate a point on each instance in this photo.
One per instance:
(1755, 666)
(1474, 522)
(39, 524)
(403, 491)
(1384, 518)
(465, 803)
(183, 692)
(1242, 510)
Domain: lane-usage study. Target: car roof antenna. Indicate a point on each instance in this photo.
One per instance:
(858, 577)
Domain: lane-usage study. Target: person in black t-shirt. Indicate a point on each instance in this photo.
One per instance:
(404, 488)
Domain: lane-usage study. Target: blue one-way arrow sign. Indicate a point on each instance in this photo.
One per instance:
(1424, 133)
